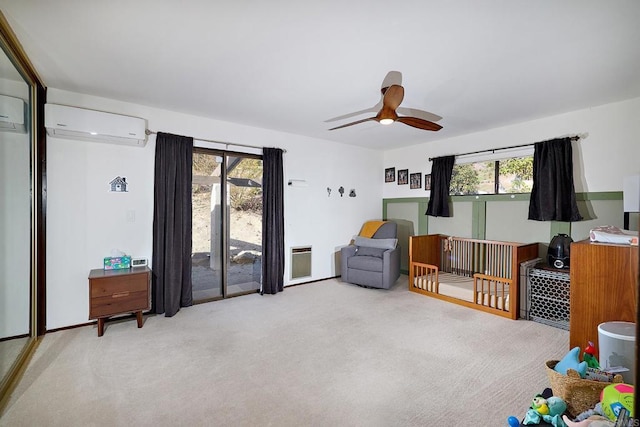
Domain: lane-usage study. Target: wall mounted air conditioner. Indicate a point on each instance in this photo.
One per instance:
(12, 117)
(67, 122)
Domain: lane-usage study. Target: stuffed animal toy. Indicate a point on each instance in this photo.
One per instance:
(549, 410)
(592, 421)
(572, 361)
(539, 404)
(589, 356)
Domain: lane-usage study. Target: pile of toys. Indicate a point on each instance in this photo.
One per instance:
(581, 394)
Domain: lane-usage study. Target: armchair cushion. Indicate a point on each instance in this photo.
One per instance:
(366, 263)
(367, 251)
(375, 243)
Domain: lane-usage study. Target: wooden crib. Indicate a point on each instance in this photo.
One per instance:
(482, 274)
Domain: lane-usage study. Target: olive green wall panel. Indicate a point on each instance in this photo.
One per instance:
(460, 224)
(507, 221)
(597, 213)
(634, 221)
(407, 211)
(406, 215)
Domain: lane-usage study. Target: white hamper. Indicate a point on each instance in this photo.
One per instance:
(617, 347)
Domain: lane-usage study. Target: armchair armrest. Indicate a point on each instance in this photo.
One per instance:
(391, 267)
(346, 253)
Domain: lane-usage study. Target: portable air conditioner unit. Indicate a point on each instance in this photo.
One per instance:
(67, 122)
(12, 117)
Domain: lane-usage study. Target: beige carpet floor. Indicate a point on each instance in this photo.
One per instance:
(320, 354)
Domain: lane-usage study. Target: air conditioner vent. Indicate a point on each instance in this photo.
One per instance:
(67, 122)
(12, 114)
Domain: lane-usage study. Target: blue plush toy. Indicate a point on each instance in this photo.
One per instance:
(548, 410)
(572, 361)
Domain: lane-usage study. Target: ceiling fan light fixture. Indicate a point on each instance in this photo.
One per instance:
(391, 98)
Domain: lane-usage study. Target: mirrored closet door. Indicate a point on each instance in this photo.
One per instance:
(15, 215)
(21, 207)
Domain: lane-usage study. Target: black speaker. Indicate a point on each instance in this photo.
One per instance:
(558, 254)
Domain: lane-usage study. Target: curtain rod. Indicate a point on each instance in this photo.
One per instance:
(227, 144)
(493, 150)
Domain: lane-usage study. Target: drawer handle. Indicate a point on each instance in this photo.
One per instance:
(120, 294)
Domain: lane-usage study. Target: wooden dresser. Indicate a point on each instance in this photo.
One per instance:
(113, 292)
(603, 288)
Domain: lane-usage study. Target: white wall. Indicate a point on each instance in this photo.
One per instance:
(608, 153)
(85, 222)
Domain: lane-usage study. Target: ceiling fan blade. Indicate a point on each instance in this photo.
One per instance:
(421, 114)
(353, 123)
(392, 78)
(373, 109)
(393, 96)
(419, 123)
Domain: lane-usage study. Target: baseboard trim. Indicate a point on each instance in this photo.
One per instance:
(311, 281)
(15, 337)
(95, 322)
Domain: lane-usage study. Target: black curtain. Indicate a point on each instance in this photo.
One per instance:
(441, 171)
(553, 197)
(272, 221)
(171, 284)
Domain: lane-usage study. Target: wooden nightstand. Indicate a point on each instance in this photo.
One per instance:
(113, 292)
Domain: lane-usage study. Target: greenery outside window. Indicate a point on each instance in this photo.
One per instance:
(504, 176)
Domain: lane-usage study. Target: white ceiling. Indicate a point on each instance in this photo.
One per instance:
(291, 65)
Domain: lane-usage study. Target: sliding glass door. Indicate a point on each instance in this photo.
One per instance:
(244, 261)
(206, 241)
(227, 224)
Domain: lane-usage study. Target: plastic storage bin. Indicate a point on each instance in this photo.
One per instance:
(616, 341)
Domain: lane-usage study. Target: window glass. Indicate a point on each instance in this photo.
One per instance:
(515, 175)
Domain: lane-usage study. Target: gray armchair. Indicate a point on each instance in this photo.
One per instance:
(373, 262)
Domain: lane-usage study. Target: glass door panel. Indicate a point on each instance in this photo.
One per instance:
(226, 257)
(206, 243)
(244, 185)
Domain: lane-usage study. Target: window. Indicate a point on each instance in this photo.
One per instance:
(511, 175)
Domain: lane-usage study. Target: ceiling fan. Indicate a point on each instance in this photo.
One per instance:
(391, 98)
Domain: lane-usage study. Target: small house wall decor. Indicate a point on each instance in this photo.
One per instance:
(118, 185)
(427, 182)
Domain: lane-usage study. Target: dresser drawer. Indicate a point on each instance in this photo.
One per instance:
(118, 303)
(108, 286)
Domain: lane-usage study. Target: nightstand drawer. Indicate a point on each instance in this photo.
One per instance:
(106, 287)
(118, 303)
